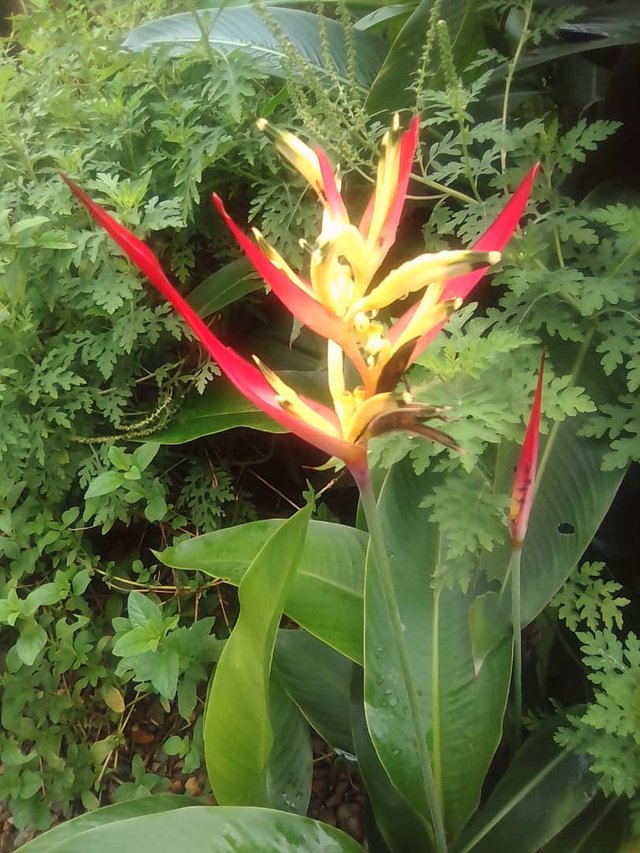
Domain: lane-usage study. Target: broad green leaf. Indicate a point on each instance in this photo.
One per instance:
(220, 408)
(31, 641)
(325, 596)
(541, 792)
(398, 825)
(104, 484)
(544, 55)
(460, 711)
(290, 765)
(55, 839)
(143, 456)
(318, 679)
(391, 90)
(238, 735)
(245, 29)
(380, 18)
(213, 829)
(604, 825)
(225, 286)
(144, 613)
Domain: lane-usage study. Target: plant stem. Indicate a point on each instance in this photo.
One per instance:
(447, 191)
(524, 35)
(384, 572)
(516, 618)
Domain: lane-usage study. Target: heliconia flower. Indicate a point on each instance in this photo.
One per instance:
(525, 479)
(340, 303)
(312, 421)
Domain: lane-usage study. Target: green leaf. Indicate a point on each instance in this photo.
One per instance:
(31, 641)
(226, 285)
(244, 28)
(391, 90)
(400, 827)
(104, 484)
(603, 825)
(159, 822)
(12, 755)
(143, 456)
(46, 594)
(163, 669)
(81, 580)
(144, 613)
(55, 839)
(318, 679)
(460, 710)
(119, 458)
(325, 596)
(220, 408)
(541, 792)
(238, 734)
(137, 641)
(290, 766)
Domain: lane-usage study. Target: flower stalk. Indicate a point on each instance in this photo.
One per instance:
(519, 512)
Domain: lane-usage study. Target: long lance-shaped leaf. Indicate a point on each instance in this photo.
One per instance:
(238, 733)
(460, 710)
(216, 829)
(247, 378)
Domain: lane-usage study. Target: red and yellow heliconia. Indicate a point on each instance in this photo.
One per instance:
(341, 297)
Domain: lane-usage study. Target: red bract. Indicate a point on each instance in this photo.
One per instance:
(246, 378)
(524, 485)
(495, 238)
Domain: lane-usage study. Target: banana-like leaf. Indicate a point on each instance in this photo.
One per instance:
(325, 596)
(228, 284)
(399, 828)
(318, 680)
(290, 765)
(70, 831)
(460, 711)
(541, 792)
(238, 729)
(605, 824)
(214, 829)
(391, 90)
(220, 408)
(253, 32)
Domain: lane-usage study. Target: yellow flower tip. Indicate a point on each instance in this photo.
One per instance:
(262, 124)
(494, 257)
(268, 251)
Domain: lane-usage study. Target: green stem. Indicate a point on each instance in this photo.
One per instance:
(435, 694)
(384, 573)
(516, 618)
(435, 185)
(524, 35)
